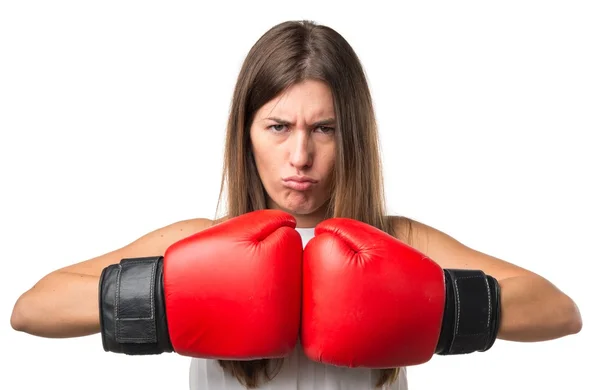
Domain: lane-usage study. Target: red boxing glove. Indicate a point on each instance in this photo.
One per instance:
(232, 291)
(369, 300)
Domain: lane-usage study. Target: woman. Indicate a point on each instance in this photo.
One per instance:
(302, 138)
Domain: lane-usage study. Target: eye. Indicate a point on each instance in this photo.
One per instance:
(277, 128)
(326, 129)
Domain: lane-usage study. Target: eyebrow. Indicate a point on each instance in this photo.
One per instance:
(328, 121)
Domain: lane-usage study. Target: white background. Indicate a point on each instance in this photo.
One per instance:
(112, 119)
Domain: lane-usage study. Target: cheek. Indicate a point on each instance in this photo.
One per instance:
(266, 163)
(258, 151)
(328, 162)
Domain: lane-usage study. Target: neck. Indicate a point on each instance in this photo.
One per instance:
(307, 220)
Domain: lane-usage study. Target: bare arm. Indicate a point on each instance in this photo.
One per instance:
(64, 303)
(533, 309)
(536, 310)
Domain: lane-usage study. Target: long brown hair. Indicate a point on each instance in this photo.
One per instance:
(286, 54)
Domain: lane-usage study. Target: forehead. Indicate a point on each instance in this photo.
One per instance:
(309, 98)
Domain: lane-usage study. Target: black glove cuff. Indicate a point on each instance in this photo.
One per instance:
(132, 309)
(472, 313)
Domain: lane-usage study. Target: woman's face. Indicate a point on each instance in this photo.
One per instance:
(293, 142)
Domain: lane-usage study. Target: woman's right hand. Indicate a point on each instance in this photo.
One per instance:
(64, 303)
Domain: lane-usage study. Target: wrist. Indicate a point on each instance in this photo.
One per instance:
(132, 309)
(472, 312)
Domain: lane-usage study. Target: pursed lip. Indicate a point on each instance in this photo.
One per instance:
(299, 183)
(299, 179)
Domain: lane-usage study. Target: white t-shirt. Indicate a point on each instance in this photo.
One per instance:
(297, 372)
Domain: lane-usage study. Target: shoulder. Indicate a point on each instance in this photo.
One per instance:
(419, 235)
(186, 227)
(152, 243)
(448, 251)
(159, 239)
(422, 237)
(406, 229)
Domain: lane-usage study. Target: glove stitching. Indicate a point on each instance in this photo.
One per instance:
(474, 334)
(457, 321)
(117, 290)
(489, 298)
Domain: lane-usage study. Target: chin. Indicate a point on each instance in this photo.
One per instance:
(296, 203)
(300, 208)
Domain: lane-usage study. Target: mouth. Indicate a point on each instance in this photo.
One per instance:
(299, 183)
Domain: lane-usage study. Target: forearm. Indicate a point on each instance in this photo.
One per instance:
(58, 306)
(535, 310)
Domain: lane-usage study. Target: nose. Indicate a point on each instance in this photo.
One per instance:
(301, 150)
